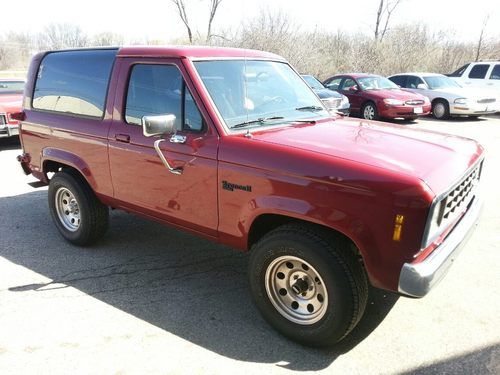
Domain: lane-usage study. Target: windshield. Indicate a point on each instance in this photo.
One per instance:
(440, 82)
(376, 83)
(11, 87)
(313, 82)
(251, 93)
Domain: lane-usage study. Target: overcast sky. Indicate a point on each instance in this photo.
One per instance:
(157, 19)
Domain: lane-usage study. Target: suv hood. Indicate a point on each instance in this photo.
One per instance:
(438, 159)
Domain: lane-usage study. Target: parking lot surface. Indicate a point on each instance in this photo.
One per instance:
(150, 299)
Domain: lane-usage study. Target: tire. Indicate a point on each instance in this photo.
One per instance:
(441, 109)
(340, 290)
(369, 111)
(77, 213)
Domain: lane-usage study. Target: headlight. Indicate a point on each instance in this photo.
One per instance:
(393, 102)
(461, 101)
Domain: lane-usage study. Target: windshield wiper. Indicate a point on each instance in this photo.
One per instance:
(310, 108)
(257, 121)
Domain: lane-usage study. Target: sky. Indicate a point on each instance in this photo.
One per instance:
(157, 19)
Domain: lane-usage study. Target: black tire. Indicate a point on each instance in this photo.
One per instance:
(339, 269)
(441, 109)
(373, 109)
(93, 215)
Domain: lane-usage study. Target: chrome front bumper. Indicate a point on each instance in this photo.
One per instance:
(8, 130)
(416, 280)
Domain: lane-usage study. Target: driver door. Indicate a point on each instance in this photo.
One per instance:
(141, 181)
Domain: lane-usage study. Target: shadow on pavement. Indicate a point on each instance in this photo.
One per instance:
(188, 286)
(482, 361)
(10, 143)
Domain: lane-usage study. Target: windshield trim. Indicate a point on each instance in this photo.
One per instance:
(226, 128)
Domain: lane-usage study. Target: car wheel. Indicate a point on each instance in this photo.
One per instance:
(369, 111)
(308, 284)
(441, 109)
(77, 213)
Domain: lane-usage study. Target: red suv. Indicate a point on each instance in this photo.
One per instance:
(374, 97)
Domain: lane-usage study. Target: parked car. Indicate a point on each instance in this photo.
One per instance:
(483, 74)
(233, 146)
(331, 99)
(374, 97)
(11, 95)
(448, 98)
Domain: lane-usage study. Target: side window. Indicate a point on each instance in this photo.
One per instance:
(495, 74)
(399, 80)
(479, 71)
(158, 90)
(74, 82)
(459, 72)
(333, 84)
(348, 83)
(413, 81)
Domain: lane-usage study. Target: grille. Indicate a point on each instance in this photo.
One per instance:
(485, 101)
(332, 103)
(3, 120)
(459, 198)
(414, 102)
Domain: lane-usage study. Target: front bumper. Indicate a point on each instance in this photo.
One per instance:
(417, 279)
(406, 111)
(9, 130)
(473, 109)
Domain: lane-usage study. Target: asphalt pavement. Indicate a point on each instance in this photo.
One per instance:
(154, 300)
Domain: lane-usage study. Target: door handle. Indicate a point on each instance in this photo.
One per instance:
(122, 138)
(177, 138)
(164, 160)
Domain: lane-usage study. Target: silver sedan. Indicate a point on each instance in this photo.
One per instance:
(448, 98)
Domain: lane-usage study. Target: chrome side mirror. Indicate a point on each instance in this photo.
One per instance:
(158, 125)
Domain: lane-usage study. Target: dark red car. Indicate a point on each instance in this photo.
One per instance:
(11, 95)
(374, 97)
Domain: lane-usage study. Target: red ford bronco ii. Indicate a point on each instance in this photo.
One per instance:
(234, 146)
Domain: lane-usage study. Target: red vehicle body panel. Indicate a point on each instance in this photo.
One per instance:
(360, 97)
(349, 175)
(10, 103)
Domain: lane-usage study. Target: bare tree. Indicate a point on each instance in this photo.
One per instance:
(384, 13)
(480, 42)
(62, 35)
(181, 10)
(214, 4)
(107, 39)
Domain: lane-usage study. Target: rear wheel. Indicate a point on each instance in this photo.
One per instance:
(308, 284)
(441, 109)
(77, 213)
(369, 111)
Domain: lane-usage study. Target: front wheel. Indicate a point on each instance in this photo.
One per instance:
(441, 109)
(308, 284)
(369, 111)
(77, 213)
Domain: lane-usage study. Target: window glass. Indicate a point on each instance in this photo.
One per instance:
(313, 82)
(252, 93)
(159, 90)
(334, 83)
(399, 80)
(478, 71)
(74, 82)
(348, 84)
(413, 81)
(376, 83)
(459, 71)
(11, 87)
(495, 74)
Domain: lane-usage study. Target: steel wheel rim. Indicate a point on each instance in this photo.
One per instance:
(439, 110)
(67, 209)
(369, 112)
(290, 296)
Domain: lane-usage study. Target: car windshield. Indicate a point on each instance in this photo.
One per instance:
(11, 87)
(250, 93)
(376, 83)
(313, 82)
(440, 82)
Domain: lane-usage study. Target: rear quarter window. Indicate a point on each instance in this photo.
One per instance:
(74, 82)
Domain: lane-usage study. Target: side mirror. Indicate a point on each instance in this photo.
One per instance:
(158, 125)
(422, 86)
(353, 88)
